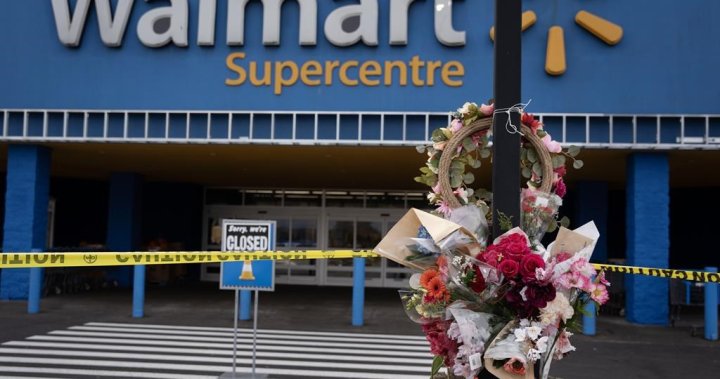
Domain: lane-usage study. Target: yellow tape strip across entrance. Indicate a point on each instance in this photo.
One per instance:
(94, 259)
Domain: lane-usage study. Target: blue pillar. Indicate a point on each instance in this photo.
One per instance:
(358, 298)
(26, 210)
(711, 307)
(648, 236)
(124, 233)
(591, 204)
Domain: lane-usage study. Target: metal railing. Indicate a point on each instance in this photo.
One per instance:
(598, 131)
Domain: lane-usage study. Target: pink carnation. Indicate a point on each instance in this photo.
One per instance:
(598, 292)
(455, 125)
(560, 188)
(570, 280)
(552, 146)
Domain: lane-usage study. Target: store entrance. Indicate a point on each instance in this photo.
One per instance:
(323, 224)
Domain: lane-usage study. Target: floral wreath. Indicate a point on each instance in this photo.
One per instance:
(466, 141)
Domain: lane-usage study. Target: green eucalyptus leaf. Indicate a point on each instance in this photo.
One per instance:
(456, 164)
(558, 160)
(468, 144)
(425, 170)
(578, 164)
(484, 153)
(523, 154)
(420, 149)
(526, 173)
(468, 178)
(565, 222)
(537, 169)
(541, 133)
(532, 155)
(573, 151)
(455, 180)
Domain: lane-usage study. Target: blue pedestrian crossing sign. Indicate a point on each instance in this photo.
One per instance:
(248, 235)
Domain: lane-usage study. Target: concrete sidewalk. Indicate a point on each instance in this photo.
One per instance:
(619, 350)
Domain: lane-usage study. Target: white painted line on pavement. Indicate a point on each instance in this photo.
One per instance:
(240, 340)
(221, 360)
(123, 341)
(124, 374)
(260, 334)
(205, 368)
(245, 353)
(273, 331)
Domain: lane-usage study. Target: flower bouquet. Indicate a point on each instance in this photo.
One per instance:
(508, 306)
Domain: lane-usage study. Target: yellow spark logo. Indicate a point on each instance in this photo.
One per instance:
(555, 63)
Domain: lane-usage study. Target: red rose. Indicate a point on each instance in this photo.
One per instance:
(478, 284)
(528, 265)
(514, 247)
(509, 268)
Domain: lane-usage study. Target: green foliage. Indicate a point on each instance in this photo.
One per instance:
(437, 364)
(468, 144)
(504, 221)
(578, 164)
(573, 151)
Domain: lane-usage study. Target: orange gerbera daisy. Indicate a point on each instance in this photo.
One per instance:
(427, 276)
(436, 289)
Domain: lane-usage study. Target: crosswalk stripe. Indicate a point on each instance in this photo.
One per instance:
(243, 340)
(193, 367)
(260, 347)
(227, 351)
(204, 359)
(268, 331)
(96, 373)
(261, 334)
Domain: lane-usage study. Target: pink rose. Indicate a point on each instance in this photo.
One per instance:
(514, 366)
(487, 110)
(552, 146)
(455, 125)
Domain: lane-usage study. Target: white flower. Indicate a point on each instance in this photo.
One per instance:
(522, 293)
(557, 310)
(533, 332)
(524, 323)
(520, 335)
(533, 355)
(541, 344)
(415, 281)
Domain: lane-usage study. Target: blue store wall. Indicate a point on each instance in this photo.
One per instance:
(669, 51)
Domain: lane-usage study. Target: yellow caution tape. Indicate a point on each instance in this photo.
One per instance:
(696, 276)
(86, 259)
(95, 259)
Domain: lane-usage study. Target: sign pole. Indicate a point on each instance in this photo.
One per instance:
(507, 84)
(235, 333)
(255, 317)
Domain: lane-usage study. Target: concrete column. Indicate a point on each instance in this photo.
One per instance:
(123, 233)
(648, 236)
(26, 211)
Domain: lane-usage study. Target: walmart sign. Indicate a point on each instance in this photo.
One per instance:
(346, 55)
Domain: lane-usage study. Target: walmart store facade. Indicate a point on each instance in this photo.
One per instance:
(140, 124)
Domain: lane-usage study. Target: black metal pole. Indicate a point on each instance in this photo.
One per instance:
(506, 146)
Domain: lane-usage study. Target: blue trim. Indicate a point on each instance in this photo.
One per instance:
(35, 289)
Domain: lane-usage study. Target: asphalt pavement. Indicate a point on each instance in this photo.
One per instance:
(618, 350)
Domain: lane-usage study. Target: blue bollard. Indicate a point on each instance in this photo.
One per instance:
(245, 300)
(358, 298)
(711, 308)
(138, 306)
(35, 289)
(589, 319)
